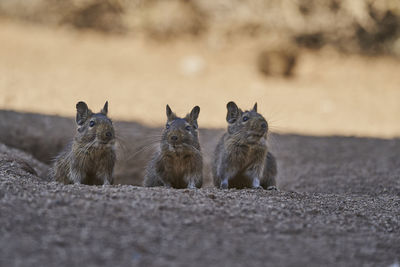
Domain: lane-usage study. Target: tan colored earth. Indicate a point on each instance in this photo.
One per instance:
(47, 70)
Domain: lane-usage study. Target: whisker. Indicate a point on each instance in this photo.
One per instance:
(145, 148)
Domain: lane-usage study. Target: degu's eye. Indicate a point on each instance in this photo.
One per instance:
(91, 123)
(245, 118)
(188, 128)
(167, 126)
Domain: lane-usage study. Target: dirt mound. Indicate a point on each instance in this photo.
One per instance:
(42, 136)
(16, 163)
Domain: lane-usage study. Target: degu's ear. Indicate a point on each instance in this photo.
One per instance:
(194, 115)
(104, 110)
(255, 107)
(233, 112)
(170, 115)
(82, 112)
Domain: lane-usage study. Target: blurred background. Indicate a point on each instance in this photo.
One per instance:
(315, 67)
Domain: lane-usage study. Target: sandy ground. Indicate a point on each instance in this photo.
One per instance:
(338, 206)
(48, 71)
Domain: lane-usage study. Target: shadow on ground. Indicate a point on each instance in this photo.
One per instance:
(338, 205)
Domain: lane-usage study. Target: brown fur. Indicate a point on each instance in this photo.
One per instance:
(179, 162)
(90, 158)
(241, 157)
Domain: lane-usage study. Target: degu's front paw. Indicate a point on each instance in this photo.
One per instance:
(257, 187)
(272, 187)
(256, 184)
(191, 186)
(224, 185)
(167, 185)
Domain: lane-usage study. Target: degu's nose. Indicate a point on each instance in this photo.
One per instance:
(107, 135)
(174, 138)
(264, 125)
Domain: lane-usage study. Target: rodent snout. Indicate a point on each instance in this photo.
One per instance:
(264, 125)
(259, 125)
(107, 136)
(176, 139)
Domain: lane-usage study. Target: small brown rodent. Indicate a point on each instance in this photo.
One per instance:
(241, 158)
(90, 157)
(179, 162)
